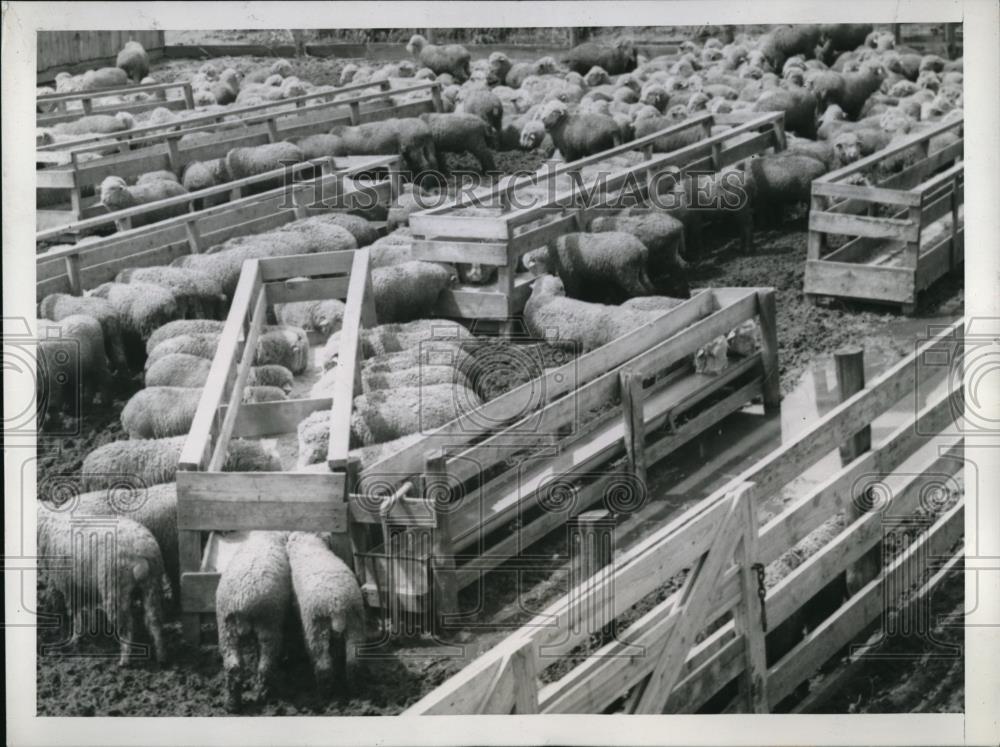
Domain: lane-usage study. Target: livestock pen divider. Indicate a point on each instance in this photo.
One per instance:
(905, 231)
(210, 500)
(501, 239)
(159, 99)
(658, 663)
(75, 268)
(442, 502)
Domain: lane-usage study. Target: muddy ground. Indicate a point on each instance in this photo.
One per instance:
(89, 683)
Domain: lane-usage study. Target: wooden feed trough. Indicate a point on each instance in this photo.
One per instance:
(501, 238)
(78, 182)
(905, 231)
(67, 107)
(586, 431)
(74, 269)
(654, 664)
(209, 499)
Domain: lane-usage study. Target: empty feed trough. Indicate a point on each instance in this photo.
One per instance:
(537, 456)
(904, 228)
(496, 227)
(210, 500)
(69, 190)
(78, 267)
(54, 108)
(677, 623)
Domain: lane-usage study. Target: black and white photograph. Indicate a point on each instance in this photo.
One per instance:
(498, 359)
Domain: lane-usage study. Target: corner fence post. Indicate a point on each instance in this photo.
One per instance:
(850, 363)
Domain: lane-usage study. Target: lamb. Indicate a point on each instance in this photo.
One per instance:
(452, 58)
(609, 265)
(252, 599)
(284, 348)
(409, 291)
(154, 507)
(160, 411)
(106, 576)
(133, 60)
(183, 369)
(197, 294)
(141, 308)
(798, 104)
(72, 365)
(146, 462)
(394, 338)
(486, 105)
(325, 316)
(409, 138)
(331, 609)
(58, 306)
(617, 59)
(551, 315)
(461, 133)
(321, 145)
(581, 134)
(103, 124)
(259, 159)
(117, 195)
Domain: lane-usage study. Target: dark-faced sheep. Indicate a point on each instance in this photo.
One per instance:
(409, 291)
(663, 236)
(778, 180)
(486, 105)
(410, 139)
(461, 133)
(798, 105)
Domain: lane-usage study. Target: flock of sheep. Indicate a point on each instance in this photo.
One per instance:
(844, 90)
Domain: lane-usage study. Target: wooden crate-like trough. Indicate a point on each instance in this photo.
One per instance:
(78, 181)
(210, 500)
(76, 268)
(905, 231)
(587, 429)
(501, 238)
(655, 664)
(67, 107)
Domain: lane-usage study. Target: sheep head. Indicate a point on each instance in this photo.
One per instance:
(115, 194)
(655, 95)
(596, 76)
(554, 113)
(532, 134)
(677, 113)
(846, 148)
(416, 44)
(930, 80)
(348, 72)
(547, 285)
(210, 71)
(698, 101)
(545, 65)
(126, 119)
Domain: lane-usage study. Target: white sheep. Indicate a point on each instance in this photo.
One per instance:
(284, 347)
(331, 609)
(117, 195)
(72, 365)
(183, 369)
(58, 306)
(103, 124)
(160, 411)
(452, 58)
(154, 461)
(325, 316)
(106, 575)
(141, 308)
(411, 290)
(133, 60)
(259, 159)
(197, 294)
(392, 338)
(252, 599)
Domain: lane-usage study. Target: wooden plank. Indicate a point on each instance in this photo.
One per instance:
(862, 225)
(936, 209)
(865, 193)
(630, 382)
(198, 591)
(853, 280)
(262, 419)
(747, 614)
(443, 250)
(348, 360)
(469, 227)
(195, 454)
(939, 260)
(299, 265)
(290, 291)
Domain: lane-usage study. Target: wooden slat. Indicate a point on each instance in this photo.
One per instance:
(861, 225)
(261, 500)
(868, 194)
(444, 250)
(298, 265)
(348, 360)
(262, 419)
(290, 291)
(855, 280)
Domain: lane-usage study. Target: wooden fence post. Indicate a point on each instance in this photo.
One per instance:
(635, 424)
(850, 363)
(747, 616)
(524, 669)
(189, 551)
(767, 312)
(443, 581)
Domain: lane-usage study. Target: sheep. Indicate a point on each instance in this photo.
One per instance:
(58, 306)
(774, 181)
(461, 133)
(452, 58)
(393, 338)
(617, 59)
(254, 394)
(259, 159)
(104, 77)
(160, 175)
(484, 104)
(782, 42)
(207, 326)
(848, 147)
(284, 348)
(321, 145)
(117, 195)
(185, 370)
(663, 236)
(104, 124)
(798, 104)
(607, 265)
(848, 90)
(331, 609)
(160, 411)
(666, 143)
(324, 316)
(133, 60)
(141, 308)
(499, 66)
(252, 599)
(197, 294)
(393, 248)
(836, 37)
(72, 365)
(581, 134)
(409, 291)
(549, 314)
(410, 139)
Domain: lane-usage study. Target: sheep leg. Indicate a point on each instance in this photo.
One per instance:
(485, 158)
(229, 647)
(318, 639)
(117, 608)
(269, 652)
(745, 220)
(152, 607)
